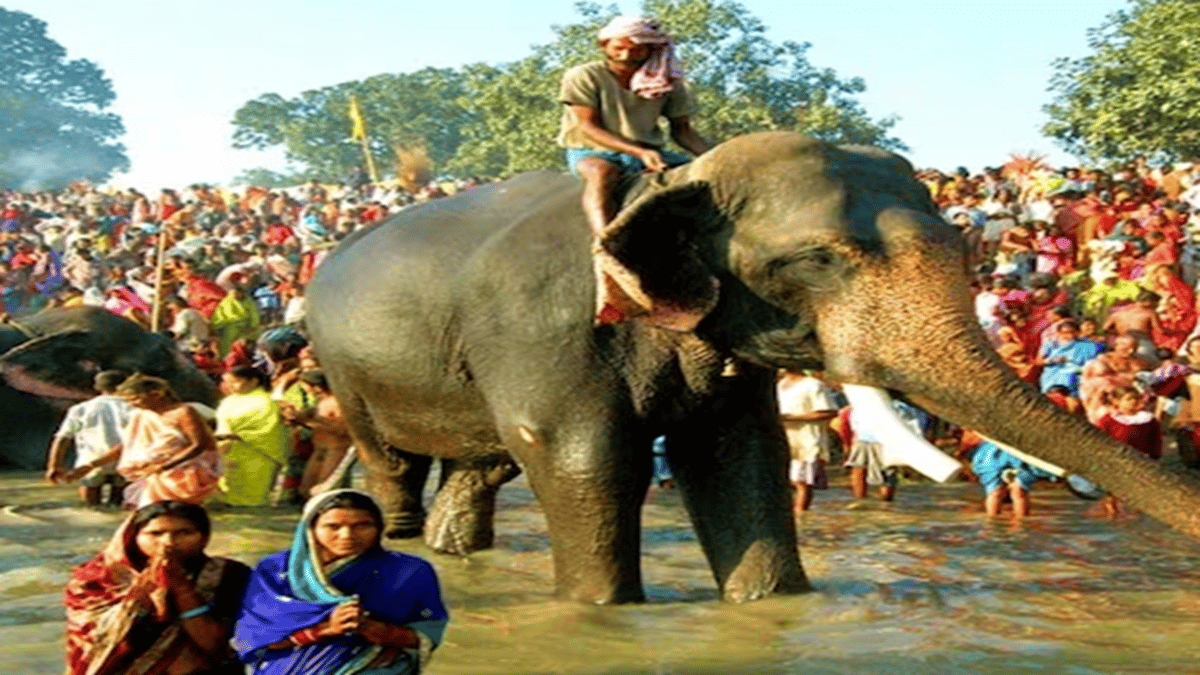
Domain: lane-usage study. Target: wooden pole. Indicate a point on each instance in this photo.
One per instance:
(371, 170)
(156, 311)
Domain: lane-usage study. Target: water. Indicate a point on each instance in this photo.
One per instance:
(925, 585)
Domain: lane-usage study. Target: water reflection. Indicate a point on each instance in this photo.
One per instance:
(924, 585)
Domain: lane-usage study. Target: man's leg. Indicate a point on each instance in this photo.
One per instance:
(993, 501)
(858, 481)
(891, 478)
(600, 179)
(116, 489)
(803, 496)
(89, 495)
(1020, 499)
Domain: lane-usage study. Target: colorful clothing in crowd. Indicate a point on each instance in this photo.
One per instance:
(110, 633)
(292, 590)
(150, 438)
(253, 460)
(235, 318)
(1065, 362)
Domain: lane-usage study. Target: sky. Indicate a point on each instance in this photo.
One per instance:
(966, 79)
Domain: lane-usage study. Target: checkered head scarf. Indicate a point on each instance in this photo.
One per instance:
(656, 77)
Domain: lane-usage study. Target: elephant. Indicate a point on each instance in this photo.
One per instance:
(48, 361)
(463, 330)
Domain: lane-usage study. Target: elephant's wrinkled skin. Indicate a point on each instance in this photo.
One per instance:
(463, 328)
(49, 359)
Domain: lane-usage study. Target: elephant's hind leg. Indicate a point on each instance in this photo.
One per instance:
(461, 518)
(394, 477)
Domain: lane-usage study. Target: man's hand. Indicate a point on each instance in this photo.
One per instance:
(653, 160)
(75, 474)
(54, 475)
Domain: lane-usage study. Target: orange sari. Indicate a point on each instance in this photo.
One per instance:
(151, 438)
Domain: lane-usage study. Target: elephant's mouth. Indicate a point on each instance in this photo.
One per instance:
(22, 379)
(788, 349)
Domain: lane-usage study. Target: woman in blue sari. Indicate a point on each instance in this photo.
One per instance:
(1063, 358)
(337, 603)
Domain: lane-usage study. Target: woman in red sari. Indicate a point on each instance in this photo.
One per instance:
(152, 602)
(1177, 309)
(1016, 345)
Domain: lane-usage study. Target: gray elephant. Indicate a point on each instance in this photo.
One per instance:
(49, 359)
(463, 330)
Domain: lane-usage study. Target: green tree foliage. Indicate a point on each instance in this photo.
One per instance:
(53, 124)
(496, 120)
(418, 109)
(268, 178)
(1139, 90)
(743, 83)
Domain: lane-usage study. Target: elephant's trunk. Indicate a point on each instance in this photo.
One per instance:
(935, 353)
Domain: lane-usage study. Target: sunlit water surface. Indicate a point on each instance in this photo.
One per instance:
(925, 585)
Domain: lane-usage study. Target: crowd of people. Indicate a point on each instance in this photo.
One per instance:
(1085, 284)
(223, 273)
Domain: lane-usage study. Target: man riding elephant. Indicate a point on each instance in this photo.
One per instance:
(610, 129)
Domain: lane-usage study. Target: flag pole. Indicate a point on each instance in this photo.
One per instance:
(358, 132)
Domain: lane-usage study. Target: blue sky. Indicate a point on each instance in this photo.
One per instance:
(967, 80)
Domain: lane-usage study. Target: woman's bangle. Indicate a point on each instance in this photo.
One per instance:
(306, 636)
(195, 612)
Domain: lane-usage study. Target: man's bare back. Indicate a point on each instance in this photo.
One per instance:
(1135, 319)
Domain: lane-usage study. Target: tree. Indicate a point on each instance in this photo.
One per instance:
(413, 110)
(53, 124)
(497, 120)
(743, 83)
(267, 178)
(1138, 92)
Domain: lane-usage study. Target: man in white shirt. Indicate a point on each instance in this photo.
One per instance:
(190, 328)
(95, 426)
(805, 406)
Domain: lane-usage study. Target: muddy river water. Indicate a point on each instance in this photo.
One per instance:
(923, 586)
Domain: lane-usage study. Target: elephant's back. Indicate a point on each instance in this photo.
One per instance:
(430, 241)
(396, 287)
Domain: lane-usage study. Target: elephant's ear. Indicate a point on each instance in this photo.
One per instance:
(655, 242)
(55, 366)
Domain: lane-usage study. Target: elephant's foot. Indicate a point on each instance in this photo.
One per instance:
(461, 519)
(596, 592)
(404, 525)
(761, 573)
(396, 479)
(459, 531)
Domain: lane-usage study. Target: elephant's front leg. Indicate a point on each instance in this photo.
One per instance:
(590, 478)
(729, 462)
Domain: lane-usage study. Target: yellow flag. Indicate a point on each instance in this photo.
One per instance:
(358, 128)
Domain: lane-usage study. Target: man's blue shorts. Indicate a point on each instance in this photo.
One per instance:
(628, 164)
(990, 464)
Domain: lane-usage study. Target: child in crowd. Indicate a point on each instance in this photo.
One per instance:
(1129, 422)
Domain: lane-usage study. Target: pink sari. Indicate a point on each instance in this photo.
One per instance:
(150, 438)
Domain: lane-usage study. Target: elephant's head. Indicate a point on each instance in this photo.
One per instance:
(836, 257)
(64, 349)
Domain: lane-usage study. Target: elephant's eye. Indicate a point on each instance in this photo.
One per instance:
(806, 260)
